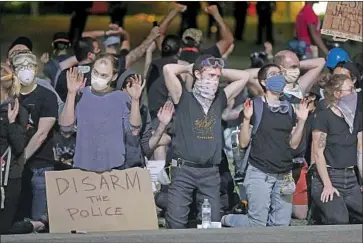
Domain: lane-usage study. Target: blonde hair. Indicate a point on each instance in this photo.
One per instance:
(7, 75)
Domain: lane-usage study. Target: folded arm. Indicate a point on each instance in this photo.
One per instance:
(239, 78)
(172, 82)
(314, 67)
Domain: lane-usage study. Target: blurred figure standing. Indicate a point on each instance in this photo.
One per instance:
(240, 13)
(264, 11)
(78, 21)
(189, 16)
(118, 12)
(211, 21)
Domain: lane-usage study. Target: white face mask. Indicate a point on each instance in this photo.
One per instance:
(292, 75)
(98, 84)
(26, 77)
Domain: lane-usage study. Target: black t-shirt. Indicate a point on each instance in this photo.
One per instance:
(156, 88)
(270, 149)
(40, 103)
(190, 56)
(341, 145)
(61, 86)
(198, 137)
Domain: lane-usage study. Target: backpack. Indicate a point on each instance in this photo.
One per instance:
(242, 156)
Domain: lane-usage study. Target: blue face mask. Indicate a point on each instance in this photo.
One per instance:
(276, 83)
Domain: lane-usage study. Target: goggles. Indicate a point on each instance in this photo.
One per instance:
(280, 107)
(213, 62)
(24, 59)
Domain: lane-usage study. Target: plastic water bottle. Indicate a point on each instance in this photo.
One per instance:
(206, 214)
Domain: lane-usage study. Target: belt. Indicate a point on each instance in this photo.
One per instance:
(351, 168)
(182, 162)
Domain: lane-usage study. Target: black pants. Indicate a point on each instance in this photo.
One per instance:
(78, 21)
(184, 181)
(265, 22)
(12, 195)
(348, 205)
(240, 21)
(189, 20)
(117, 13)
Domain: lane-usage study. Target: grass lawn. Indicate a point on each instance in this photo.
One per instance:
(41, 29)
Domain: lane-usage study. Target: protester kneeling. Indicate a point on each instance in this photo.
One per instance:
(337, 149)
(268, 182)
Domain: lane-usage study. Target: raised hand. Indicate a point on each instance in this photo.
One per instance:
(155, 32)
(44, 58)
(268, 48)
(212, 10)
(248, 109)
(302, 110)
(180, 7)
(135, 87)
(13, 112)
(166, 113)
(75, 80)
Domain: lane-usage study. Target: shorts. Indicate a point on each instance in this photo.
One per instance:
(300, 196)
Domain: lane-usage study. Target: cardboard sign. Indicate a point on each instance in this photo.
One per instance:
(344, 20)
(96, 202)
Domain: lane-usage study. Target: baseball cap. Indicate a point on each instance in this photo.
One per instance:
(22, 40)
(60, 37)
(112, 40)
(194, 34)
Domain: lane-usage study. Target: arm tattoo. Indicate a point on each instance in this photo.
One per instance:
(137, 53)
(322, 140)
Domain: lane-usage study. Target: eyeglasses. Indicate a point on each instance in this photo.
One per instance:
(25, 67)
(213, 62)
(351, 89)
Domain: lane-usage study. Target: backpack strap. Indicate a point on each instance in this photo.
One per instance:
(257, 114)
(59, 70)
(4, 182)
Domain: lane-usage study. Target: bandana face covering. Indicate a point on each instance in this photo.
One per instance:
(348, 106)
(204, 91)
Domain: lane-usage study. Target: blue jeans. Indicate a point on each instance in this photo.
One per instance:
(267, 206)
(39, 203)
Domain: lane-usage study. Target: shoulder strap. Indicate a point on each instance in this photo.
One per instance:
(257, 113)
(55, 81)
(4, 182)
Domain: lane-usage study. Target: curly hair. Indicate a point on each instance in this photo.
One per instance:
(7, 75)
(333, 83)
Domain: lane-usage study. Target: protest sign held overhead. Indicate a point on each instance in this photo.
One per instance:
(97, 202)
(344, 20)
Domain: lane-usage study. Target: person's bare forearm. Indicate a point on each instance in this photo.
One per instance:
(34, 144)
(225, 33)
(167, 20)
(360, 155)
(135, 116)
(312, 63)
(319, 42)
(68, 63)
(232, 75)
(245, 133)
(67, 117)
(156, 137)
(232, 113)
(126, 42)
(297, 134)
(94, 33)
(138, 52)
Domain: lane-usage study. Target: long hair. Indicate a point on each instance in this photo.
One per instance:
(7, 75)
(333, 83)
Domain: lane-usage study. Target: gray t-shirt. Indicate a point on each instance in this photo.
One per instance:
(101, 125)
